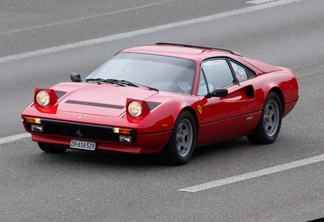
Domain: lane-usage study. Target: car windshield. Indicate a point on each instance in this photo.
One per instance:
(160, 72)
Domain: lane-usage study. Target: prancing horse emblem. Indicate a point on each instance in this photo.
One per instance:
(79, 133)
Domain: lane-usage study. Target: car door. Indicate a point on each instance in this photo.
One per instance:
(222, 118)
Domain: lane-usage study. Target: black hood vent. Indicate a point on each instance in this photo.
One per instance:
(95, 104)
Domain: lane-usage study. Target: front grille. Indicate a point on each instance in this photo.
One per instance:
(80, 130)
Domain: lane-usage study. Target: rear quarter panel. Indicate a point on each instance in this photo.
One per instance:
(283, 82)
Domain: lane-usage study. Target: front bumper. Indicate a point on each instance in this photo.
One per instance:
(61, 133)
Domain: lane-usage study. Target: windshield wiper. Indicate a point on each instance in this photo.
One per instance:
(128, 83)
(112, 81)
(119, 82)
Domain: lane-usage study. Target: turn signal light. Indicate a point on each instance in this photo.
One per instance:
(121, 130)
(33, 120)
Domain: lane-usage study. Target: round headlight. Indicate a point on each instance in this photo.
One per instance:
(42, 98)
(134, 109)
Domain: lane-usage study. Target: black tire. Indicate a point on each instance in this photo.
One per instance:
(182, 142)
(50, 148)
(269, 125)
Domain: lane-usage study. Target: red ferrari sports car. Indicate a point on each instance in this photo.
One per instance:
(163, 97)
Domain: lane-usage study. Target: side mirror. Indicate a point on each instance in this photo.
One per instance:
(217, 93)
(75, 77)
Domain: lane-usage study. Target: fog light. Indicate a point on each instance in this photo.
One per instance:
(123, 138)
(37, 128)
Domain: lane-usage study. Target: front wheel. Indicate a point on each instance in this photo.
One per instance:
(182, 141)
(269, 125)
(50, 148)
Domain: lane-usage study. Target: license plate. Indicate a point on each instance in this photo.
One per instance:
(82, 145)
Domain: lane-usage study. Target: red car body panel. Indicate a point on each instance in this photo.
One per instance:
(217, 118)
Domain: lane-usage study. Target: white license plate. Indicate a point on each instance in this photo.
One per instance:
(82, 145)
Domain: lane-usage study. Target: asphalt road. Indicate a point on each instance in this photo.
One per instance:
(42, 42)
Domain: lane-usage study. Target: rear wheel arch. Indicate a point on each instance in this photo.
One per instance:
(269, 124)
(281, 97)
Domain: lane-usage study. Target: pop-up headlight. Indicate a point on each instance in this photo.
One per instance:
(45, 100)
(137, 109)
(42, 98)
(134, 108)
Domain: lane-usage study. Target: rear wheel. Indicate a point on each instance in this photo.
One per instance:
(182, 141)
(50, 148)
(269, 125)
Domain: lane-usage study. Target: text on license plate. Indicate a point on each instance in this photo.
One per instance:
(82, 145)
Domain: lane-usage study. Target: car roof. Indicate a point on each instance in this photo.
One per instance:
(199, 53)
(183, 51)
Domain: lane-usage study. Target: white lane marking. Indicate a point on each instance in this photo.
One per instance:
(145, 31)
(86, 17)
(255, 174)
(14, 138)
(259, 1)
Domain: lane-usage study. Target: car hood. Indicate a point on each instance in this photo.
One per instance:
(98, 99)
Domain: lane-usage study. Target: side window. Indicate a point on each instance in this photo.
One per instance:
(240, 71)
(202, 87)
(218, 73)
